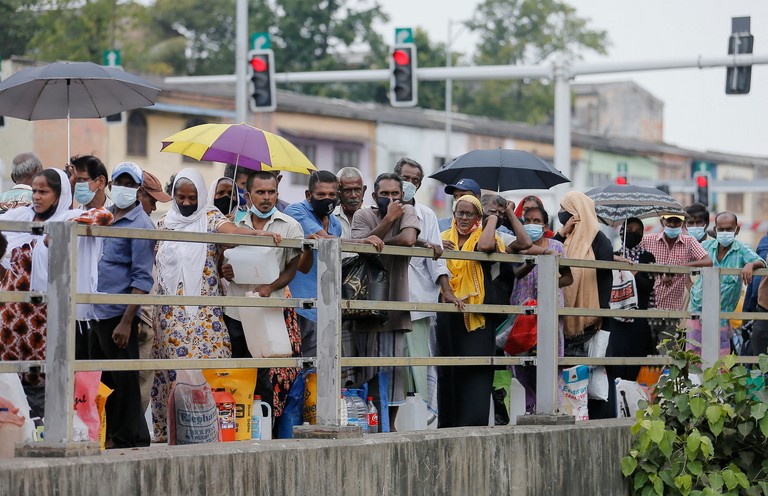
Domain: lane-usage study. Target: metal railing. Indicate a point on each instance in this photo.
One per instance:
(62, 297)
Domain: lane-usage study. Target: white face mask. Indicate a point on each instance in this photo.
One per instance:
(409, 191)
(123, 197)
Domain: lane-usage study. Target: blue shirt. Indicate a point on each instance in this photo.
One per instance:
(305, 285)
(125, 263)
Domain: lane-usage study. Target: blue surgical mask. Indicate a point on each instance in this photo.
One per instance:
(535, 231)
(83, 193)
(697, 232)
(409, 191)
(672, 232)
(123, 196)
(261, 215)
(726, 238)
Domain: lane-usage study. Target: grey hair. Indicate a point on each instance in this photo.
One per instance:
(181, 182)
(490, 197)
(408, 161)
(25, 166)
(349, 173)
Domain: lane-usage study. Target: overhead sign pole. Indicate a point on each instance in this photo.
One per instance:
(241, 47)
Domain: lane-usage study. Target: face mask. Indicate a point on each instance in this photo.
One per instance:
(633, 239)
(697, 232)
(535, 231)
(48, 213)
(409, 191)
(261, 215)
(672, 232)
(726, 238)
(383, 204)
(564, 217)
(83, 193)
(468, 231)
(123, 196)
(224, 204)
(187, 210)
(322, 208)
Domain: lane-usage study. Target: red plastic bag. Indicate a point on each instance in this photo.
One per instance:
(86, 390)
(522, 337)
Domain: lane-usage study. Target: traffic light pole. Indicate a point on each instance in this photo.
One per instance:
(241, 47)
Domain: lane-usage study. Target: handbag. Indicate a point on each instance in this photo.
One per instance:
(522, 337)
(623, 293)
(364, 277)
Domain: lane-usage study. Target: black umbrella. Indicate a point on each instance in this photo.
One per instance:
(501, 170)
(72, 90)
(617, 202)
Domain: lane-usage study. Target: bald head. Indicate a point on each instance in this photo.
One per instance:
(25, 168)
(728, 217)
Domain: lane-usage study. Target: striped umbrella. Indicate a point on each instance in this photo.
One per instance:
(239, 144)
(617, 202)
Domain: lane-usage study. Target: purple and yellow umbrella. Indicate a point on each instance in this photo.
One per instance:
(239, 144)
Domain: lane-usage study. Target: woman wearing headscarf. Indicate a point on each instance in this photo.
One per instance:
(464, 393)
(189, 269)
(531, 201)
(220, 196)
(23, 325)
(591, 288)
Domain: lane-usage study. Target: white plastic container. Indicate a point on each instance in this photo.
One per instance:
(412, 416)
(253, 264)
(265, 331)
(261, 420)
(516, 401)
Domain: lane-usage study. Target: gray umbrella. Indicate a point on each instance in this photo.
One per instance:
(501, 170)
(72, 90)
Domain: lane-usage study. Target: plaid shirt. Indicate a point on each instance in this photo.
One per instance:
(684, 250)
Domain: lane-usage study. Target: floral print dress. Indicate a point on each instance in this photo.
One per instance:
(178, 336)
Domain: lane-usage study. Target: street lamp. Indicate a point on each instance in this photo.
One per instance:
(449, 87)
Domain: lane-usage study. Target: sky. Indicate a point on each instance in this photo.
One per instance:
(697, 112)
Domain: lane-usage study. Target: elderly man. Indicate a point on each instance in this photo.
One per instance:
(351, 194)
(25, 167)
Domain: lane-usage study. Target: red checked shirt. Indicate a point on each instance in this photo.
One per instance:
(684, 250)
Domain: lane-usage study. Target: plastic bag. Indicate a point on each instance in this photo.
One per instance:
(364, 277)
(575, 392)
(623, 293)
(11, 390)
(86, 390)
(598, 384)
(522, 337)
(241, 383)
(80, 431)
(293, 413)
(192, 414)
(101, 402)
(310, 397)
(502, 332)
(628, 396)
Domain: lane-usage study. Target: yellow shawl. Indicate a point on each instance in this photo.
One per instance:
(468, 281)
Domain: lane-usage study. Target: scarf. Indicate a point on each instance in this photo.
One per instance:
(181, 261)
(583, 292)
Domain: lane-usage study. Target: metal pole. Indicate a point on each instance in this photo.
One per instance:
(448, 95)
(328, 330)
(562, 76)
(710, 315)
(547, 335)
(241, 48)
(60, 333)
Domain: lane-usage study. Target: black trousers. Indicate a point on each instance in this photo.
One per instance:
(126, 425)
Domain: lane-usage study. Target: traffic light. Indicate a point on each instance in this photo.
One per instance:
(622, 180)
(622, 174)
(403, 85)
(261, 77)
(737, 79)
(702, 187)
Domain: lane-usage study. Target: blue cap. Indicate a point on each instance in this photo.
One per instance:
(464, 185)
(131, 169)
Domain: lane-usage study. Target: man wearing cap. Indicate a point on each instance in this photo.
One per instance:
(461, 188)
(125, 268)
(671, 247)
(152, 192)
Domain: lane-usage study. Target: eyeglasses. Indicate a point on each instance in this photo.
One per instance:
(464, 215)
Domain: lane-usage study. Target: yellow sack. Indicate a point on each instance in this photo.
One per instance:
(241, 383)
(310, 398)
(101, 400)
(736, 323)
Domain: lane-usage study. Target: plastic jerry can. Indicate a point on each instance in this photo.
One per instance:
(261, 419)
(253, 264)
(225, 403)
(412, 416)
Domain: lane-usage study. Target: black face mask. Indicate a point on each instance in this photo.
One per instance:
(322, 208)
(383, 204)
(186, 210)
(224, 204)
(48, 213)
(564, 216)
(633, 239)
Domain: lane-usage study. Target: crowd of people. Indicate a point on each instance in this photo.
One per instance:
(247, 203)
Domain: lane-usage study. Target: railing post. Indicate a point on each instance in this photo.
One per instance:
(710, 315)
(328, 330)
(60, 334)
(547, 335)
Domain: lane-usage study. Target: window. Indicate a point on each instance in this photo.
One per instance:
(345, 157)
(195, 121)
(137, 135)
(734, 202)
(309, 151)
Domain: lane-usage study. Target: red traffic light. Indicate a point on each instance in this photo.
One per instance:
(402, 57)
(259, 64)
(702, 181)
(622, 181)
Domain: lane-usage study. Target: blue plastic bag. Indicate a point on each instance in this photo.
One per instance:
(293, 413)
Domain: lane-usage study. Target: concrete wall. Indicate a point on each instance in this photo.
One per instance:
(553, 460)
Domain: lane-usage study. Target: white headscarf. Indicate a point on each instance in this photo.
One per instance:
(215, 185)
(179, 261)
(39, 277)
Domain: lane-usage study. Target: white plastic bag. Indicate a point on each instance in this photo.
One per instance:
(628, 396)
(598, 384)
(11, 390)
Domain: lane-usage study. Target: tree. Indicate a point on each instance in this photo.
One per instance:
(17, 25)
(524, 32)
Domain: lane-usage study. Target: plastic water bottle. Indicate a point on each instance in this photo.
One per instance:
(362, 412)
(373, 417)
(256, 418)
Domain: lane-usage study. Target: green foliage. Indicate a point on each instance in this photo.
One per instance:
(17, 26)
(702, 439)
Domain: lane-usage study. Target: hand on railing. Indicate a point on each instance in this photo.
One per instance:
(278, 238)
(375, 241)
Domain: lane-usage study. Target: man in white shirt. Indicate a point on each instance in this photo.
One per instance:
(427, 278)
(25, 168)
(351, 194)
